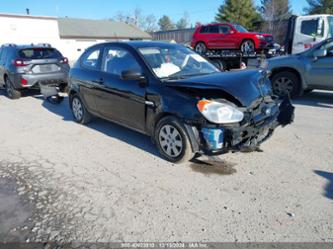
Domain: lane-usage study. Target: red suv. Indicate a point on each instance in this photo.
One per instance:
(229, 36)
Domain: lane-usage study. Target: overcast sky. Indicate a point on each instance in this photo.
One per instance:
(203, 10)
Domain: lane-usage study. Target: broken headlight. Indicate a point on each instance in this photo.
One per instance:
(219, 113)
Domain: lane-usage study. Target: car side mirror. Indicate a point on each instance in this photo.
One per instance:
(132, 75)
(319, 53)
(231, 32)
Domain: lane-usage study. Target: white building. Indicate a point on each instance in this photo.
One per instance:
(70, 36)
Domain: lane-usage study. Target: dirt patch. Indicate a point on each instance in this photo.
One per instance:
(213, 166)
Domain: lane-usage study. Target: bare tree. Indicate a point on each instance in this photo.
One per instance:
(150, 23)
(137, 18)
(183, 22)
(275, 13)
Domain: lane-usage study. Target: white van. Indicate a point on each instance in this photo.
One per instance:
(306, 31)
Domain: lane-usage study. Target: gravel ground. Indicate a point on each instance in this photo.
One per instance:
(63, 181)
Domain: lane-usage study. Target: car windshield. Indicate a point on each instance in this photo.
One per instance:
(176, 62)
(330, 24)
(240, 28)
(39, 53)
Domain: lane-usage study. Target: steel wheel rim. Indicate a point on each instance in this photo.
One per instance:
(200, 48)
(77, 109)
(283, 86)
(170, 141)
(247, 46)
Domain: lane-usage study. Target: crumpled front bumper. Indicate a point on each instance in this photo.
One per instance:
(244, 137)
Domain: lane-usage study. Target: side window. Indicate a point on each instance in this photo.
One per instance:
(0, 53)
(224, 29)
(214, 29)
(91, 58)
(312, 27)
(116, 60)
(204, 29)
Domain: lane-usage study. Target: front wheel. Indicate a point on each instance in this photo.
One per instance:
(286, 83)
(247, 46)
(172, 140)
(80, 113)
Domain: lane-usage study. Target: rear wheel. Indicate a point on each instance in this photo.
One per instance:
(219, 64)
(11, 92)
(200, 48)
(286, 83)
(247, 46)
(172, 140)
(80, 113)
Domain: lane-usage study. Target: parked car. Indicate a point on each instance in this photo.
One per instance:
(26, 66)
(311, 69)
(229, 36)
(177, 97)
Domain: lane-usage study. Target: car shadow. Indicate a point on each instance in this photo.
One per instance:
(329, 187)
(322, 99)
(110, 129)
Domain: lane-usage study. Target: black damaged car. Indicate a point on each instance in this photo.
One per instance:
(177, 97)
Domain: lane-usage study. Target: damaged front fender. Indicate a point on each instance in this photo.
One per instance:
(247, 136)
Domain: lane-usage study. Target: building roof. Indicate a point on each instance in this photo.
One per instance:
(27, 16)
(98, 29)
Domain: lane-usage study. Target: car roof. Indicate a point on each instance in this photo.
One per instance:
(220, 23)
(26, 46)
(143, 44)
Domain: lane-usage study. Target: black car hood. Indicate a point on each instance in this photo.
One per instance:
(246, 86)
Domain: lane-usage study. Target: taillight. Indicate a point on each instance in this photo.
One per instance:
(64, 60)
(20, 63)
(24, 82)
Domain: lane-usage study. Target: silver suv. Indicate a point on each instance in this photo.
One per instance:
(26, 66)
(303, 72)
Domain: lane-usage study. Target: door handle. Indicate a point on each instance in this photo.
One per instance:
(100, 81)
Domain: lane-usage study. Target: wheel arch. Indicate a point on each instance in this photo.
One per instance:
(200, 41)
(192, 134)
(247, 39)
(72, 92)
(291, 70)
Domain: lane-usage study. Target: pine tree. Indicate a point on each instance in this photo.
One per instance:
(165, 23)
(319, 7)
(238, 11)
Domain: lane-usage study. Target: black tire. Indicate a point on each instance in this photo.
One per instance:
(177, 143)
(286, 83)
(79, 111)
(247, 46)
(11, 92)
(200, 48)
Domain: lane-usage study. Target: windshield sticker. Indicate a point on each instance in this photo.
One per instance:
(166, 70)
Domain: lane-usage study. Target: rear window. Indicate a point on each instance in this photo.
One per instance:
(39, 53)
(313, 27)
(209, 29)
